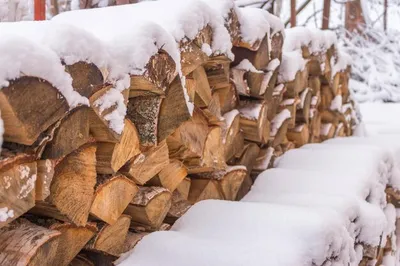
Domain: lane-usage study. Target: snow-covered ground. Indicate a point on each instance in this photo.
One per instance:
(319, 206)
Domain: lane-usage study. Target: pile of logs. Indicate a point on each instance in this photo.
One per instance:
(74, 191)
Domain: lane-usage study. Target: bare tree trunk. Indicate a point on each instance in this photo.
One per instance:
(292, 13)
(326, 14)
(354, 16)
(385, 19)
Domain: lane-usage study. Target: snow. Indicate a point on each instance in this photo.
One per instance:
(70, 43)
(250, 111)
(325, 128)
(336, 104)
(204, 236)
(22, 57)
(246, 65)
(254, 25)
(278, 89)
(292, 62)
(273, 64)
(276, 24)
(278, 120)
(316, 40)
(5, 214)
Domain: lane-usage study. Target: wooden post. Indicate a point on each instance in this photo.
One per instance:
(292, 13)
(385, 8)
(40, 9)
(326, 14)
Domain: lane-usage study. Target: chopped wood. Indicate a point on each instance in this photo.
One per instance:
(112, 196)
(99, 126)
(171, 176)
(232, 129)
(276, 46)
(263, 160)
(112, 156)
(191, 57)
(71, 133)
(239, 80)
(315, 84)
(149, 207)
(45, 173)
(202, 88)
(72, 188)
(202, 189)
(110, 239)
(303, 108)
(143, 111)
(299, 135)
(327, 131)
(98, 258)
(179, 206)
(184, 188)
(248, 159)
(81, 260)
(86, 77)
(228, 98)
(159, 73)
(17, 185)
(72, 239)
(173, 110)
(228, 181)
(259, 58)
(291, 105)
(217, 70)
(24, 243)
(213, 112)
(213, 153)
(148, 164)
(131, 240)
(188, 141)
(28, 107)
(254, 122)
(281, 132)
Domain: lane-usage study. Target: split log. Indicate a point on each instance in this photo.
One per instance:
(81, 260)
(188, 141)
(295, 86)
(217, 70)
(184, 188)
(112, 156)
(279, 128)
(291, 105)
(17, 185)
(86, 77)
(111, 197)
(45, 173)
(274, 103)
(264, 83)
(131, 240)
(326, 97)
(314, 84)
(233, 26)
(179, 206)
(254, 122)
(149, 207)
(340, 130)
(264, 160)
(202, 95)
(24, 243)
(228, 181)
(258, 57)
(72, 239)
(110, 239)
(239, 80)
(319, 65)
(97, 258)
(28, 107)
(143, 111)
(171, 176)
(232, 129)
(146, 165)
(202, 189)
(303, 108)
(191, 57)
(71, 133)
(159, 72)
(100, 127)
(72, 188)
(327, 131)
(315, 127)
(247, 159)
(228, 98)
(213, 112)
(299, 135)
(173, 110)
(276, 46)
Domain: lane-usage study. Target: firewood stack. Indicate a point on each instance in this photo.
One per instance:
(85, 176)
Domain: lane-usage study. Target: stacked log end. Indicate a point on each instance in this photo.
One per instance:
(205, 131)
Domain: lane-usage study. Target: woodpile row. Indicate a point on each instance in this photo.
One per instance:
(76, 192)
